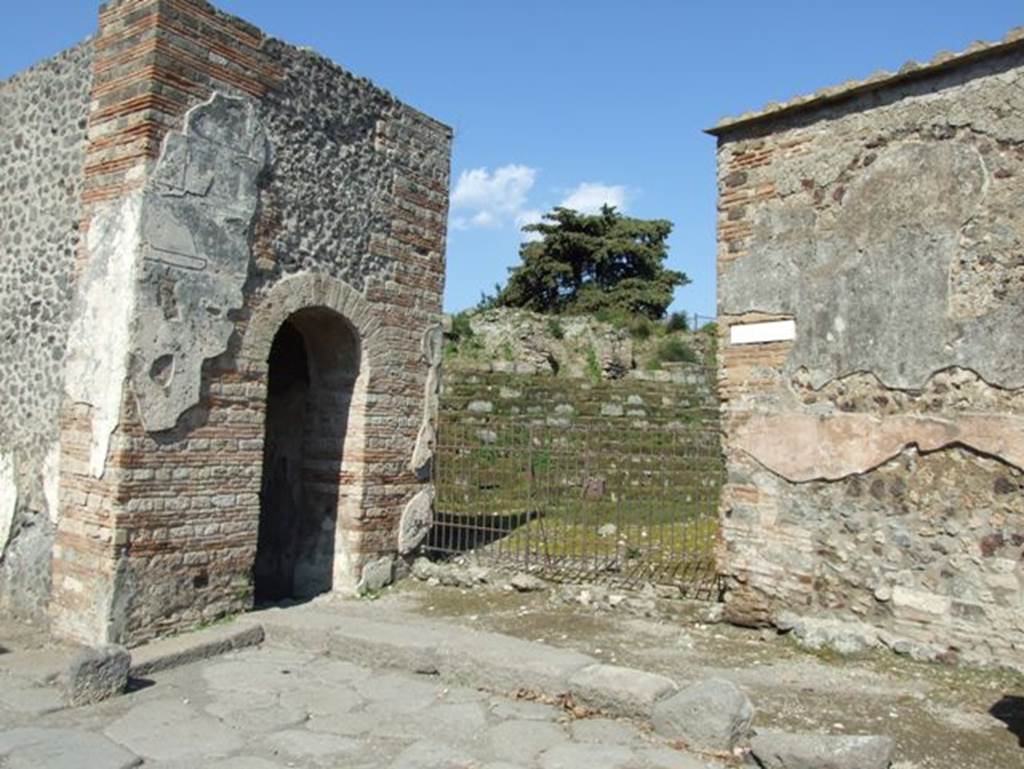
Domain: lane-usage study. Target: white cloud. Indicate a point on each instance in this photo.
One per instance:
(588, 197)
(493, 198)
(530, 216)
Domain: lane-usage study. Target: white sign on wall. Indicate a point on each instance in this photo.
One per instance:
(766, 331)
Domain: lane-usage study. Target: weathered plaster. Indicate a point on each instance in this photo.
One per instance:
(880, 275)
(8, 498)
(99, 340)
(417, 518)
(433, 353)
(875, 461)
(803, 447)
(51, 481)
(197, 216)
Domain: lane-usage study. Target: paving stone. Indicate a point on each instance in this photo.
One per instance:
(320, 699)
(96, 674)
(171, 730)
(605, 731)
(524, 710)
(62, 749)
(336, 671)
(776, 750)
(260, 674)
(257, 720)
(315, 746)
(667, 758)
(244, 762)
(620, 690)
(711, 715)
(573, 756)
(457, 723)
(350, 725)
(431, 754)
(30, 700)
(402, 693)
(524, 740)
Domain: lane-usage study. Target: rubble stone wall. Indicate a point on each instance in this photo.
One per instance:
(232, 181)
(43, 115)
(871, 252)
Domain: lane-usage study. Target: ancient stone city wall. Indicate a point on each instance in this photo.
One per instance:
(42, 146)
(871, 290)
(230, 181)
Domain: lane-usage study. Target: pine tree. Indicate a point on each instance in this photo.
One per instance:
(593, 263)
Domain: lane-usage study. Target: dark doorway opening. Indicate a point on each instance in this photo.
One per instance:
(312, 368)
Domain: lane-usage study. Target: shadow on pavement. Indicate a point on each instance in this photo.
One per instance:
(1010, 710)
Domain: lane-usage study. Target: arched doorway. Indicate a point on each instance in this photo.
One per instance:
(312, 369)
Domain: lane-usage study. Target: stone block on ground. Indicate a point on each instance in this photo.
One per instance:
(527, 583)
(190, 647)
(377, 575)
(620, 690)
(96, 674)
(501, 663)
(387, 644)
(777, 750)
(712, 715)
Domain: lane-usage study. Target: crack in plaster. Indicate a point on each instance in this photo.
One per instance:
(801, 448)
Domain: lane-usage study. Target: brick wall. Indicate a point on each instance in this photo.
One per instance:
(351, 217)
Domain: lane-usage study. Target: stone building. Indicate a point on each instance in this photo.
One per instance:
(871, 300)
(220, 296)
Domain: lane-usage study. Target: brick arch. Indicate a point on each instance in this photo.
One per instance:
(298, 292)
(283, 300)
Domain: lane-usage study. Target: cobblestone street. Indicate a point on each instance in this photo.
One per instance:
(273, 707)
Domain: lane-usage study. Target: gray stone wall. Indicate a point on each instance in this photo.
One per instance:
(43, 113)
(876, 460)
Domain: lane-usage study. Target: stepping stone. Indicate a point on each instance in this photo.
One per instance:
(713, 715)
(776, 750)
(96, 674)
(620, 690)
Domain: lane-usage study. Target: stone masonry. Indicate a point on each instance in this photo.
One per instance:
(192, 210)
(871, 290)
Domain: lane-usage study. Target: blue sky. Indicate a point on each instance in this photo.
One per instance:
(581, 100)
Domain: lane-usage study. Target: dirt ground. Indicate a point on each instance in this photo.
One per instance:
(940, 716)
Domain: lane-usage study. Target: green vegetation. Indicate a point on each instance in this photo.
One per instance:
(593, 367)
(658, 489)
(675, 350)
(461, 326)
(461, 340)
(555, 328)
(591, 263)
(677, 321)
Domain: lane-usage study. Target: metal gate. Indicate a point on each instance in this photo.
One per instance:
(596, 500)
